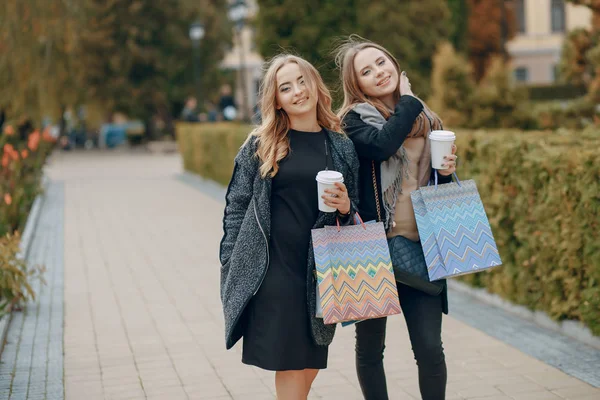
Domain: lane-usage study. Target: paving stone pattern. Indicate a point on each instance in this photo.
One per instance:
(32, 360)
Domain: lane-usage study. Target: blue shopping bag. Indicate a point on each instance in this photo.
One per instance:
(454, 229)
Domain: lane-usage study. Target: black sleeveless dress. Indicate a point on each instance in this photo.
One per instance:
(277, 333)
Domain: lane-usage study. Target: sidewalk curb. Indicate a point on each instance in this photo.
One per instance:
(569, 328)
(25, 245)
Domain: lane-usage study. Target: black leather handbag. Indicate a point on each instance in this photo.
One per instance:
(408, 259)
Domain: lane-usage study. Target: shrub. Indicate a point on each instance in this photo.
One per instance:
(20, 176)
(558, 91)
(574, 114)
(209, 149)
(496, 102)
(452, 86)
(15, 275)
(20, 182)
(499, 103)
(541, 193)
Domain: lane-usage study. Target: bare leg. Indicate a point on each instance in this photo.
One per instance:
(309, 376)
(290, 385)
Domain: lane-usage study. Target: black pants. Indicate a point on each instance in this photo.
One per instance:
(423, 314)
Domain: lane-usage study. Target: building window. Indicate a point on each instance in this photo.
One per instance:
(557, 15)
(520, 14)
(521, 74)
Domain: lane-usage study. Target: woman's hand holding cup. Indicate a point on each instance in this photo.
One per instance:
(337, 197)
(450, 163)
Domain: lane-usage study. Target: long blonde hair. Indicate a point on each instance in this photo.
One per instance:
(344, 59)
(272, 133)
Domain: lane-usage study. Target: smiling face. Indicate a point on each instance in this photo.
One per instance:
(293, 93)
(376, 74)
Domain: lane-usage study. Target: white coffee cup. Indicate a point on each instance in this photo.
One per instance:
(326, 180)
(441, 146)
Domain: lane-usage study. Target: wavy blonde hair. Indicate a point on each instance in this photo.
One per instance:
(272, 133)
(344, 59)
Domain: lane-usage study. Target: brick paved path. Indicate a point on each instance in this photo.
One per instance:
(32, 360)
(143, 316)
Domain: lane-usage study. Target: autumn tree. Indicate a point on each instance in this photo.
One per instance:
(491, 24)
(138, 56)
(580, 61)
(38, 56)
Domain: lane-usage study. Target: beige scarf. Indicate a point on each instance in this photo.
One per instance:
(395, 168)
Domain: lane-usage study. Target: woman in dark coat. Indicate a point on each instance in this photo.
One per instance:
(267, 274)
(389, 127)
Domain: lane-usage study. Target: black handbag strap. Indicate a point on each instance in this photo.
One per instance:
(377, 203)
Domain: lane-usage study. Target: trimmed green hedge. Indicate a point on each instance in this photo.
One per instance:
(209, 149)
(541, 191)
(557, 91)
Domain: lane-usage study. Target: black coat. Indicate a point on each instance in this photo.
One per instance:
(372, 144)
(244, 251)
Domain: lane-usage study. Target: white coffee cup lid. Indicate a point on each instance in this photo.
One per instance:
(442, 135)
(329, 177)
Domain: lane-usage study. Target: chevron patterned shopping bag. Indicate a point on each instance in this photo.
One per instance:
(454, 229)
(354, 272)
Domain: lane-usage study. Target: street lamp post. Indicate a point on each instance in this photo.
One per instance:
(196, 35)
(238, 12)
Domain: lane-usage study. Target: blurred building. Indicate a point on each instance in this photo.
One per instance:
(542, 26)
(244, 59)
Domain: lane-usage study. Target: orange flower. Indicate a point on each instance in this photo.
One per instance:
(24, 154)
(47, 136)
(33, 140)
(8, 130)
(8, 199)
(9, 151)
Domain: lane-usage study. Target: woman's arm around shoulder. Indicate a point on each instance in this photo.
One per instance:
(238, 197)
(379, 145)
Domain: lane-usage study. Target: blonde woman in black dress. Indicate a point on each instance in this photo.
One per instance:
(267, 274)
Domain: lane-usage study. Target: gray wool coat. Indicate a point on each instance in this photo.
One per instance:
(244, 251)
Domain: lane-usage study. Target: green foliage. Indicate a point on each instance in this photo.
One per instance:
(540, 191)
(575, 114)
(541, 194)
(15, 275)
(134, 52)
(459, 11)
(38, 56)
(555, 92)
(305, 28)
(499, 103)
(452, 87)
(580, 61)
(496, 102)
(131, 55)
(574, 66)
(209, 149)
(409, 30)
(20, 177)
